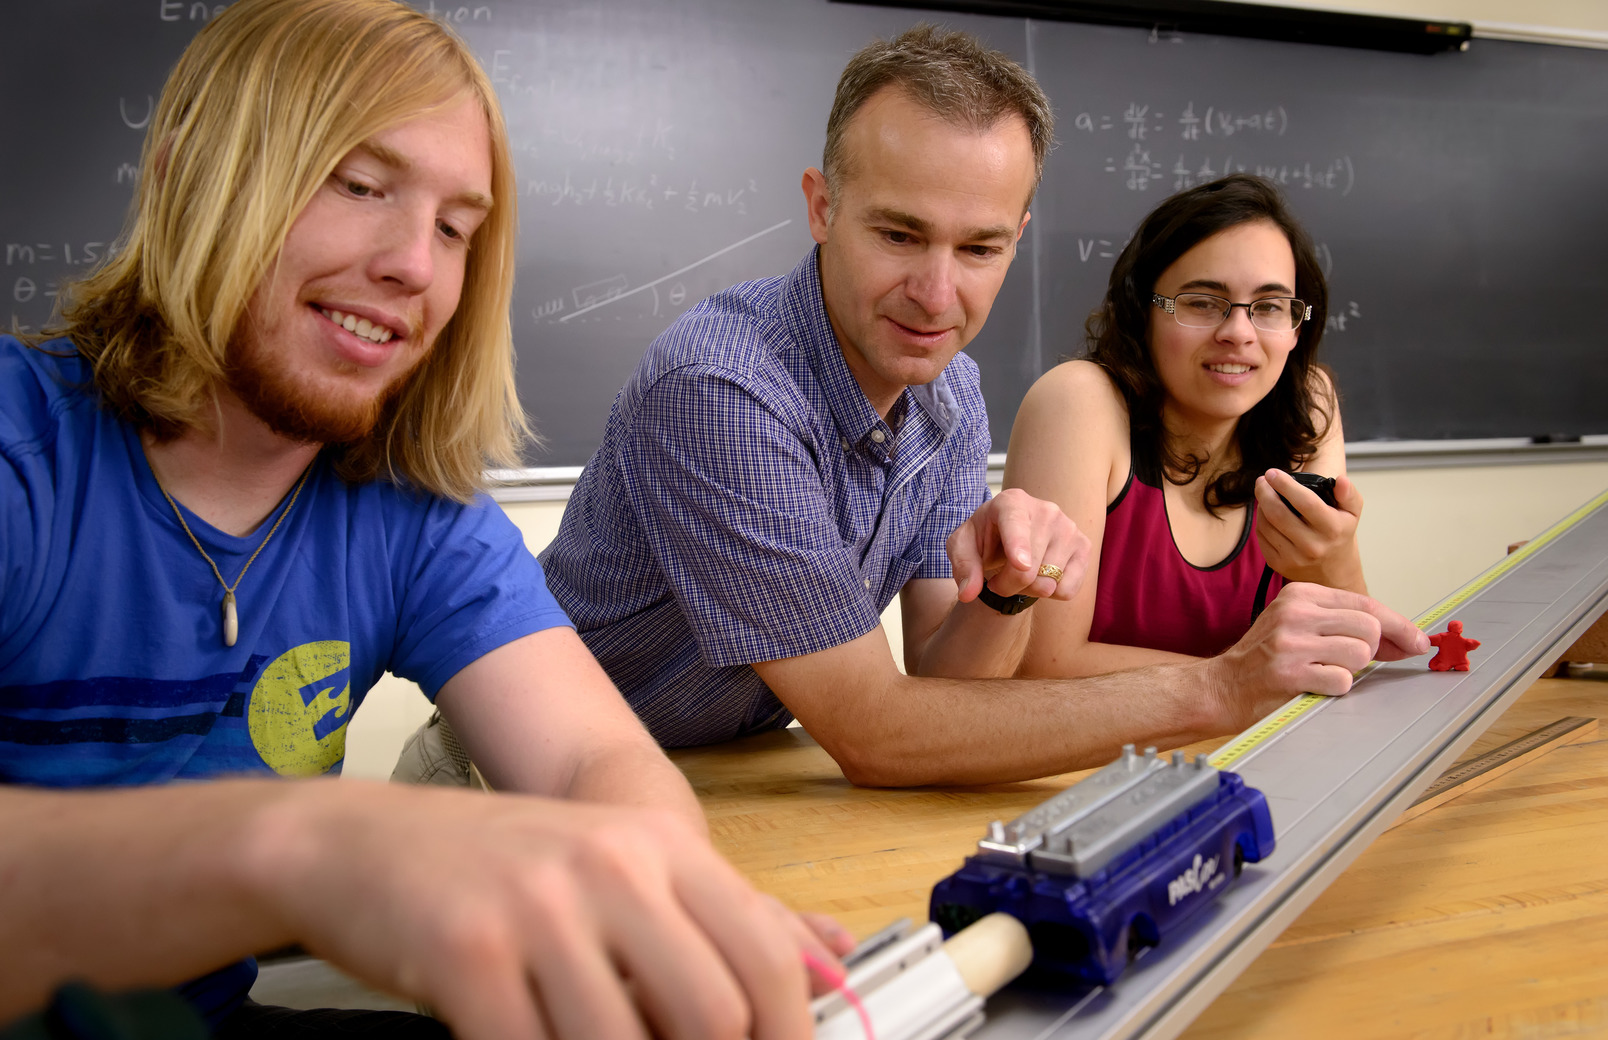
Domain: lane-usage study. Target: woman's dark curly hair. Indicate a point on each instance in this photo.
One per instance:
(1280, 430)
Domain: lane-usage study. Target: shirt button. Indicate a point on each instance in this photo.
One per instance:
(845, 442)
(867, 582)
(878, 436)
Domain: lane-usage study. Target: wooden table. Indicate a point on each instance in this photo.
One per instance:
(1487, 916)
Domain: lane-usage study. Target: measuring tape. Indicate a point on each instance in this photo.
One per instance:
(1307, 702)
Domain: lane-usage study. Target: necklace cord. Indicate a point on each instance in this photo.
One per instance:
(295, 493)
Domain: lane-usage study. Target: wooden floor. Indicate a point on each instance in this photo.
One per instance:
(1487, 916)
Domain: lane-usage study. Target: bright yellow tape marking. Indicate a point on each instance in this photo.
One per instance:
(1507, 563)
(1266, 728)
(1307, 701)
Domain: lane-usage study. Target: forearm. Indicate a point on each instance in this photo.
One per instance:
(1346, 571)
(144, 887)
(1342, 569)
(943, 731)
(539, 716)
(635, 774)
(885, 728)
(974, 641)
(1070, 660)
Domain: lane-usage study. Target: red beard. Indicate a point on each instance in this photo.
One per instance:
(296, 409)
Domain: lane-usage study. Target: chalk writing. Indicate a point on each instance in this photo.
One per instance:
(143, 121)
(1140, 122)
(1097, 248)
(1137, 119)
(651, 141)
(1334, 175)
(47, 253)
(1325, 259)
(652, 286)
(1341, 317)
(594, 293)
(456, 15)
(1141, 170)
(41, 277)
(566, 99)
(1222, 122)
(187, 10)
(644, 193)
(676, 295)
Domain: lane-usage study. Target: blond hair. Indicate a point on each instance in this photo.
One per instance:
(952, 75)
(263, 104)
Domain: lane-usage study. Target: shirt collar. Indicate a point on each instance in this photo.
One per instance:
(858, 423)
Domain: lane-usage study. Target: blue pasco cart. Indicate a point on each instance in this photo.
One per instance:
(1108, 867)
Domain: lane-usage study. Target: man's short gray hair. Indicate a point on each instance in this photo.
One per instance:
(950, 73)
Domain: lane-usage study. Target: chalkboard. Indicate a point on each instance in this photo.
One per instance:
(1457, 199)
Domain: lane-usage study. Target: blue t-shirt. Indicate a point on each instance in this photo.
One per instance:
(112, 664)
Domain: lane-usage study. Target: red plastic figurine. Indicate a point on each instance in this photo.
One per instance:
(1452, 655)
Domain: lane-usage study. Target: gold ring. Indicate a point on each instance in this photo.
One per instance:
(1050, 571)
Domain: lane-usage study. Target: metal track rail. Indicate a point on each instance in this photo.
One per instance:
(1336, 777)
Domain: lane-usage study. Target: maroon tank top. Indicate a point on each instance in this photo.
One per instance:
(1150, 596)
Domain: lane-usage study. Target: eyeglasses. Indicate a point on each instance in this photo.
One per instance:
(1204, 311)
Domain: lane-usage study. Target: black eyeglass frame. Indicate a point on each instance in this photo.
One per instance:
(1168, 304)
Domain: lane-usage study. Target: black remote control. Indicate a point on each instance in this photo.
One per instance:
(1324, 486)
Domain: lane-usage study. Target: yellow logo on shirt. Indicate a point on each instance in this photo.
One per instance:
(300, 708)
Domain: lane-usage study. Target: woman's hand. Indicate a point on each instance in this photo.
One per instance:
(1318, 545)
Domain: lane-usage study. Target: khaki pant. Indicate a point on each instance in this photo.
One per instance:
(434, 756)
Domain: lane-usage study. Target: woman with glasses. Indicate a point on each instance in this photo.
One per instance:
(1171, 445)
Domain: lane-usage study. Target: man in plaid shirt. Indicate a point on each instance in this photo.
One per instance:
(795, 452)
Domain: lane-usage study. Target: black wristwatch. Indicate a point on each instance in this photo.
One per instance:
(1005, 604)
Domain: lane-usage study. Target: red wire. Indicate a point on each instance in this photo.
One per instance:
(840, 984)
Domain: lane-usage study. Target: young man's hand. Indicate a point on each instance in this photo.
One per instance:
(521, 916)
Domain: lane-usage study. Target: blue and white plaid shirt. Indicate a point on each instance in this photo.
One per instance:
(748, 504)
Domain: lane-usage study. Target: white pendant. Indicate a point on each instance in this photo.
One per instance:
(231, 620)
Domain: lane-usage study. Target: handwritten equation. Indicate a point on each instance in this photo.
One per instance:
(1152, 163)
(33, 272)
(1143, 122)
(1141, 170)
(647, 193)
(647, 141)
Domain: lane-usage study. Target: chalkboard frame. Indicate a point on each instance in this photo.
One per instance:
(1227, 18)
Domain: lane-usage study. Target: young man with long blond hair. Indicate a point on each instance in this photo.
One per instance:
(238, 484)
